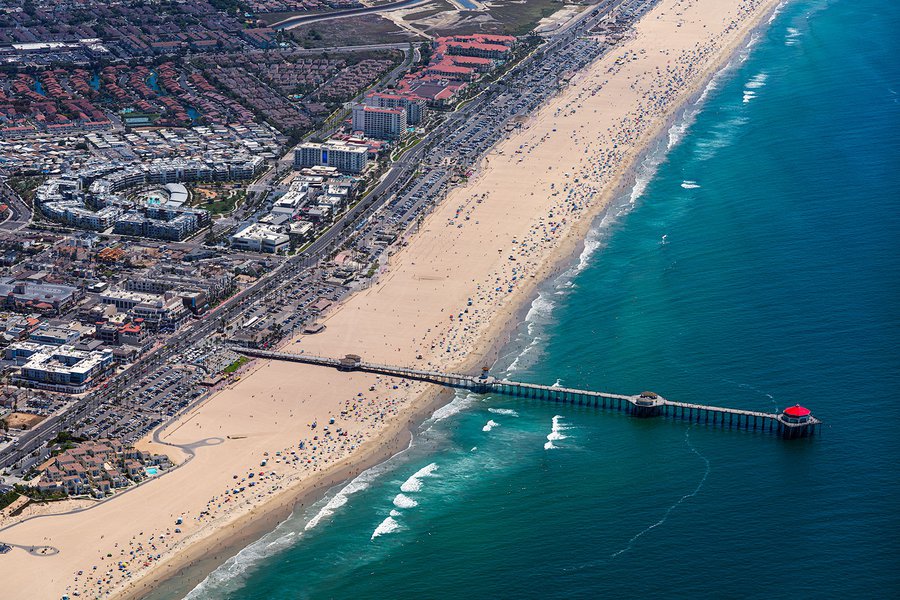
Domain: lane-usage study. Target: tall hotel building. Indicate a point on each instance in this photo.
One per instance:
(379, 123)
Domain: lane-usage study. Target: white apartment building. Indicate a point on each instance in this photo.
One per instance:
(381, 123)
(412, 104)
(347, 158)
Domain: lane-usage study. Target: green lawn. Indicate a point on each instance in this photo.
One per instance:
(224, 204)
(236, 365)
(8, 498)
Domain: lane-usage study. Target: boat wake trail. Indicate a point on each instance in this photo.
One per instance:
(630, 545)
(747, 386)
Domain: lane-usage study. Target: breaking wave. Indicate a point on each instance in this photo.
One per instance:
(455, 406)
(414, 483)
(233, 571)
(790, 38)
(387, 526)
(555, 433)
(404, 501)
(504, 411)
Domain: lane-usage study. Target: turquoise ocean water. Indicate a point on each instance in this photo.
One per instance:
(754, 266)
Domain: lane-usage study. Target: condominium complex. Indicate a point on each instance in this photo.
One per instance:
(161, 222)
(89, 199)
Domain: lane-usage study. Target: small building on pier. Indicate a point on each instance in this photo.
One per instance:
(350, 362)
(796, 421)
(647, 404)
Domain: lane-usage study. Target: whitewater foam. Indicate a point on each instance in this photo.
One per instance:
(387, 526)
(790, 38)
(533, 345)
(555, 433)
(232, 572)
(414, 483)
(404, 501)
(754, 38)
(455, 406)
(539, 312)
(723, 135)
(361, 482)
(490, 425)
(504, 411)
(757, 81)
(776, 12)
(689, 184)
(592, 243)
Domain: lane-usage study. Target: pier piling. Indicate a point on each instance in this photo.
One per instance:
(794, 422)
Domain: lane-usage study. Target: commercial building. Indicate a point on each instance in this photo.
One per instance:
(257, 237)
(451, 71)
(383, 123)
(495, 47)
(347, 158)
(158, 313)
(37, 296)
(53, 336)
(58, 368)
(195, 291)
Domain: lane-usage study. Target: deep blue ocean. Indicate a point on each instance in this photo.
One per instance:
(755, 265)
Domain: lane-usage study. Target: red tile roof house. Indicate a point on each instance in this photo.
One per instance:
(478, 49)
(447, 69)
(66, 464)
(482, 65)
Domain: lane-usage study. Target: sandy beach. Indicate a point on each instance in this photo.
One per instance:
(447, 301)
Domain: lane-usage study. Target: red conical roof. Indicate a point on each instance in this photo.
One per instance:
(797, 411)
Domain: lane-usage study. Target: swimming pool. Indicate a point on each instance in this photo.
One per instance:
(152, 471)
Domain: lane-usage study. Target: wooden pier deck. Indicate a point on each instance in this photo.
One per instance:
(646, 404)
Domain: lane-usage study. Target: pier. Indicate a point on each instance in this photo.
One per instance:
(793, 422)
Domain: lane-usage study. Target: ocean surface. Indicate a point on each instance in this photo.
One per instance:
(755, 265)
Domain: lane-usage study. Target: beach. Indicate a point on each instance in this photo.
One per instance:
(446, 301)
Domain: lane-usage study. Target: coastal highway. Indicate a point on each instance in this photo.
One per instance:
(292, 22)
(362, 48)
(401, 170)
(19, 212)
